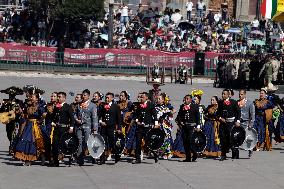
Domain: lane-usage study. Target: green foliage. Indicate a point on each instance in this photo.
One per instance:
(77, 10)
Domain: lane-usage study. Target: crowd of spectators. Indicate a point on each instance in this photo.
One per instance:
(150, 28)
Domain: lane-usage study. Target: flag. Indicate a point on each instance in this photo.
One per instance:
(268, 8)
(279, 16)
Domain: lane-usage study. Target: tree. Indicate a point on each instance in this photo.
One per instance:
(74, 10)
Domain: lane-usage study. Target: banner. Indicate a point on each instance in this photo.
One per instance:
(103, 57)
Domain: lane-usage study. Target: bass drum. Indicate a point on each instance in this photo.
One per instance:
(96, 145)
(198, 141)
(68, 143)
(155, 139)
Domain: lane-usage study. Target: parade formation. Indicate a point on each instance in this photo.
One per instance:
(102, 128)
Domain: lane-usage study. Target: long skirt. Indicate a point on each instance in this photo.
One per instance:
(47, 132)
(38, 137)
(211, 131)
(264, 131)
(25, 149)
(131, 139)
(279, 134)
(178, 147)
(166, 148)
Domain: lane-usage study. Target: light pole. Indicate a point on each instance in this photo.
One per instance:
(110, 26)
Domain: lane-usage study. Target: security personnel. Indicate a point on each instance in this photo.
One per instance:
(110, 125)
(188, 119)
(229, 116)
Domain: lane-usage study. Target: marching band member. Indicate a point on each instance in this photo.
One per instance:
(188, 119)
(86, 119)
(263, 121)
(110, 124)
(9, 105)
(63, 122)
(247, 113)
(229, 116)
(211, 129)
(145, 120)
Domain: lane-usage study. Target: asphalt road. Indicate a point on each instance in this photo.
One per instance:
(264, 170)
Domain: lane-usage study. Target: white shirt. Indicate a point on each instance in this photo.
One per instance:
(189, 6)
(176, 17)
(255, 23)
(124, 11)
(217, 17)
(200, 5)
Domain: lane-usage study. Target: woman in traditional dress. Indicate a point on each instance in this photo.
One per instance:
(130, 144)
(211, 129)
(46, 128)
(279, 135)
(263, 121)
(178, 148)
(164, 114)
(125, 107)
(31, 144)
(197, 100)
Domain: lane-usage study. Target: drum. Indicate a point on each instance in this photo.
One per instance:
(155, 139)
(68, 143)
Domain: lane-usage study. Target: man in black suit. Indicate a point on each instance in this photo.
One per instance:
(63, 122)
(229, 116)
(110, 122)
(146, 118)
(188, 119)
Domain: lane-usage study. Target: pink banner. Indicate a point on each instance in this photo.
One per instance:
(110, 57)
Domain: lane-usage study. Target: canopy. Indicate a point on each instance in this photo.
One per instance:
(233, 30)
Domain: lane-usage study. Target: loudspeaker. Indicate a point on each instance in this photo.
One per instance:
(199, 63)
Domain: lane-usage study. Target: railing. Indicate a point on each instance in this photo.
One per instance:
(117, 61)
(18, 8)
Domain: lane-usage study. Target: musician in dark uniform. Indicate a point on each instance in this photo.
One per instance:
(110, 124)
(11, 104)
(63, 122)
(188, 119)
(146, 118)
(229, 116)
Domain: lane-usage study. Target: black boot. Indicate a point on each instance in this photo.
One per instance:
(194, 157)
(156, 157)
(117, 158)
